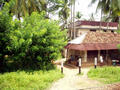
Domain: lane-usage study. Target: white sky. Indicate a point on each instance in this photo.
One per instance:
(83, 7)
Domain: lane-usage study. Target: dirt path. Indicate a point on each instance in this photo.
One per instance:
(72, 81)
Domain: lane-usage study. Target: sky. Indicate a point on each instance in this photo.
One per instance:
(83, 7)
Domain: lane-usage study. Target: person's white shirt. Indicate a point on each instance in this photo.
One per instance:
(101, 59)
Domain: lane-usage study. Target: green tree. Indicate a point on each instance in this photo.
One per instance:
(26, 7)
(64, 12)
(111, 7)
(36, 42)
(2, 2)
(5, 28)
(62, 8)
(22, 8)
(78, 15)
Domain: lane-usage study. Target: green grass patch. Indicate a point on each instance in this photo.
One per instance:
(106, 75)
(33, 80)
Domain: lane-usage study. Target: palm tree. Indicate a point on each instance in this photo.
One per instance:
(111, 7)
(78, 15)
(74, 19)
(92, 18)
(64, 12)
(71, 31)
(72, 3)
(26, 7)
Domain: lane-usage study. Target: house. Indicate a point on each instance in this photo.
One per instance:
(94, 26)
(92, 44)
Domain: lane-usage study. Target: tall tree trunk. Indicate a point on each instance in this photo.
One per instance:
(19, 16)
(101, 20)
(108, 22)
(74, 19)
(71, 32)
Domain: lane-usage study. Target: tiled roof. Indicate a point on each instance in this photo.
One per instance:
(97, 37)
(95, 46)
(97, 41)
(96, 23)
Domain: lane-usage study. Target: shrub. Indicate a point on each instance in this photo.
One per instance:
(5, 28)
(36, 42)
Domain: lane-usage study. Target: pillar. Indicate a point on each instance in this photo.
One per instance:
(98, 55)
(106, 58)
(85, 56)
(65, 54)
(68, 53)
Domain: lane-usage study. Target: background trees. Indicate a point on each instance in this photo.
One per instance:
(109, 7)
(21, 8)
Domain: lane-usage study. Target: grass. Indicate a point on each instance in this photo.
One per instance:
(34, 80)
(106, 75)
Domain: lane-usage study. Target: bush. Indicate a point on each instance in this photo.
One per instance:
(5, 28)
(36, 42)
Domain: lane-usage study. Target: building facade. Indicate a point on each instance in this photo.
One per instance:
(81, 27)
(93, 41)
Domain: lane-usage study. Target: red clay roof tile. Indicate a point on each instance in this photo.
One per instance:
(97, 41)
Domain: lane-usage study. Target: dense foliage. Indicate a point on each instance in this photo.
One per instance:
(111, 8)
(105, 74)
(37, 41)
(31, 43)
(32, 80)
(22, 8)
(5, 28)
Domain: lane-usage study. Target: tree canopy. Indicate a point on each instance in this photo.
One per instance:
(38, 39)
(111, 7)
(31, 43)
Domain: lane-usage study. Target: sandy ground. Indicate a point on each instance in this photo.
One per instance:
(73, 81)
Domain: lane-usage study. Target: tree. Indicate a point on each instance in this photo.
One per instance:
(5, 28)
(111, 7)
(78, 15)
(21, 8)
(72, 3)
(2, 2)
(62, 7)
(36, 42)
(64, 12)
(92, 17)
(26, 7)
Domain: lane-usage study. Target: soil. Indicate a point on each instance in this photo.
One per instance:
(73, 81)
